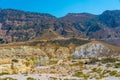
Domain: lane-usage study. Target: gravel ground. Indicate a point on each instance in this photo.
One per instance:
(38, 77)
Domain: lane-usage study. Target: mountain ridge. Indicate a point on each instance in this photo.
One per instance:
(18, 26)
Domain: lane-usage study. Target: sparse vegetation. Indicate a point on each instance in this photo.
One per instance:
(29, 78)
(108, 60)
(8, 78)
(113, 73)
(65, 43)
(77, 64)
(92, 61)
(52, 78)
(118, 74)
(97, 70)
(117, 65)
(109, 65)
(3, 73)
(79, 74)
(51, 62)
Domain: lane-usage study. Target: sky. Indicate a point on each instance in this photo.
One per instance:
(60, 8)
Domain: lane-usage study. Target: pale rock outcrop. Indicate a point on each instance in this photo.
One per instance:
(90, 50)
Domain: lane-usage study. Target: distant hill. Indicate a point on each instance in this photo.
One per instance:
(16, 26)
(74, 48)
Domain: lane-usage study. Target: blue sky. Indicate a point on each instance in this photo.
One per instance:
(60, 8)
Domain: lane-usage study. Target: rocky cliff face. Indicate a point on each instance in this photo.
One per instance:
(21, 26)
(91, 50)
(18, 26)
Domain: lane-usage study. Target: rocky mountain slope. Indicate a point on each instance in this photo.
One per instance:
(16, 26)
(96, 49)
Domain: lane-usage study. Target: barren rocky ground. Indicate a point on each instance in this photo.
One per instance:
(59, 60)
(64, 69)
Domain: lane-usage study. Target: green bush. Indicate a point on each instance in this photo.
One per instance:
(106, 71)
(29, 78)
(4, 73)
(117, 65)
(97, 70)
(113, 73)
(79, 74)
(108, 60)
